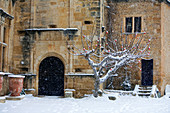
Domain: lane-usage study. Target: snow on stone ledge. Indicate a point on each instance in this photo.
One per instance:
(29, 89)
(6, 14)
(2, 73)
(16, 76)
(28, 74)
(52, 29)
(79, 74)
(69, 90)
(5, 73)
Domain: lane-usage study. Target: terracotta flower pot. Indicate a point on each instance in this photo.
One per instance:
(1, 82)
(15, 84)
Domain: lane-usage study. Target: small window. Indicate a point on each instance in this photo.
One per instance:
(129, 24)
(133, 24)
(78, 70)
(13, 2)
(24, 69)
(137, 24)
(52, 26)
(3, 59)
(87, 22)
(4, 35)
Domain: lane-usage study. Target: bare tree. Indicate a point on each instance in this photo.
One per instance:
(107, 54)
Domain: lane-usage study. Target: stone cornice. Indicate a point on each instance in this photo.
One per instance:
(5, 14)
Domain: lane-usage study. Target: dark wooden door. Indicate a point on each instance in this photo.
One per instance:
(51, 77)
(147, 72)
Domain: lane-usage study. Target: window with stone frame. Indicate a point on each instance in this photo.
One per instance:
(3, 50)
(133, 24)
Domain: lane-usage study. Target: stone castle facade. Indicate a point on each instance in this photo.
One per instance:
(33, 31)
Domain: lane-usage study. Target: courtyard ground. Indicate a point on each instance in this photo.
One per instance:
(123, 104)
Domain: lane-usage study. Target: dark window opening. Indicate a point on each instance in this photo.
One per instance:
(129, 24)
(52, 26)
(78, 70)
(137, 24)
(24, 69)
(22, 0)
(3, 59)
(13, 2)
(87, 22)
(4, 35)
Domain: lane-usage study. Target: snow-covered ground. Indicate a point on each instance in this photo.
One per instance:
(124, 104)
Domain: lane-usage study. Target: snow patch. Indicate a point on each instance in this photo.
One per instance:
(2, 98)
(21, 96)
(16, 76)
(167, 91)
(53, 104)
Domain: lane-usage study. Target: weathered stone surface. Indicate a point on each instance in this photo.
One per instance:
(151, 24)
(73, 14)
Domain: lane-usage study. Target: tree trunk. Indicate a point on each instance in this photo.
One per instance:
(96, 87)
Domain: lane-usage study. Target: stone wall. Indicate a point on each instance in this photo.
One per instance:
(84, 15)
(151, 24)
(22, 22)
(63, 14)
(46, 14)
(83, 84)
(6, 35)
(165, 45)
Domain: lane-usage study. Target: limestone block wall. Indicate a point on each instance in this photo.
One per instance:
(51, 14)
(84, 15)
(81, 84)
(165, 45)
(150, 11)
(6, 34)
(22, 21)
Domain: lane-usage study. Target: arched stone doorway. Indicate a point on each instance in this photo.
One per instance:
(51, 77)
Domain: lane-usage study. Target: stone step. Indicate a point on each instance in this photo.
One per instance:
(144, 94)
(144, 90)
